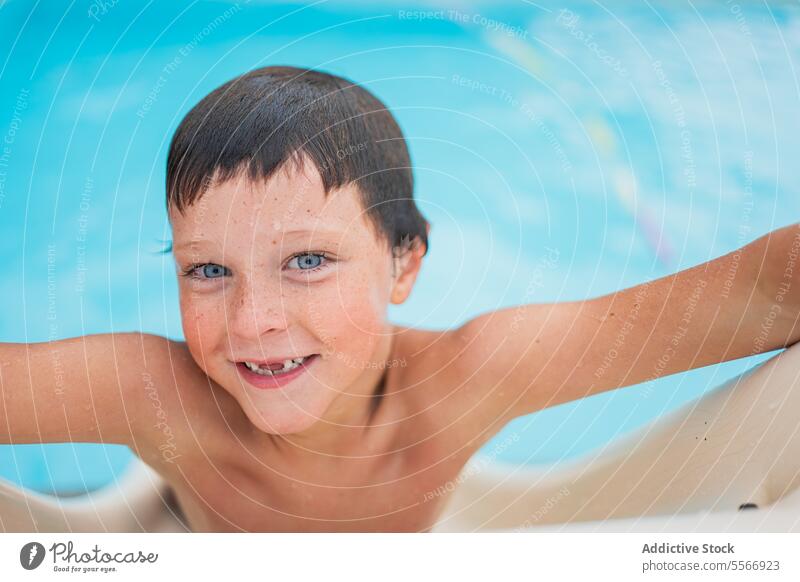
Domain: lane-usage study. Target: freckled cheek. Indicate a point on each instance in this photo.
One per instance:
(363, 313)
(344, 317)
(366, 314)
(201, 322)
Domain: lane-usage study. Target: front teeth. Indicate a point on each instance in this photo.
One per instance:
(288, 365)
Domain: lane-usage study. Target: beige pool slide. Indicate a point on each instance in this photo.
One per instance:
(728, 461)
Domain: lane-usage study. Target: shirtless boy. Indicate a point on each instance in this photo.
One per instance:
(289, 193)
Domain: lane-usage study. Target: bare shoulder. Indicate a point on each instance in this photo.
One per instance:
(441, 389)
(175, 403)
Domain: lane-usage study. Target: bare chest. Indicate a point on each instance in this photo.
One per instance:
(404, 496)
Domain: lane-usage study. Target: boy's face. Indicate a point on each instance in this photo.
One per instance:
(279, 269)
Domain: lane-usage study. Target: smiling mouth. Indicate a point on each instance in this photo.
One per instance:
(277, 368)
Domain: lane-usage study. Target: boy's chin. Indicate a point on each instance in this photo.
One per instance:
(282, 420)
(283, 426)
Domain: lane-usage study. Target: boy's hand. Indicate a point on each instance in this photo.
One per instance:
(519, 360)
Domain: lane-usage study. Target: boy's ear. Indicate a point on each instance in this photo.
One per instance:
(407, 268)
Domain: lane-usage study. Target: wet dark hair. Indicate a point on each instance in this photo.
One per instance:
(261, 120)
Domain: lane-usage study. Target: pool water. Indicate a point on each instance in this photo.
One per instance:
(559, 154)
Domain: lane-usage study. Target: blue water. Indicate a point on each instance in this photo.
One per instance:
(525, 125)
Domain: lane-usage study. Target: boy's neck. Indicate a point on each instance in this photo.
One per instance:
(353, 426)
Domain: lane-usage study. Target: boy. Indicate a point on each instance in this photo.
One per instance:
(293, 404)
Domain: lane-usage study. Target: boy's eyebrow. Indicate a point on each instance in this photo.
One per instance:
(320, 231)
(188, 244)
(312, 231)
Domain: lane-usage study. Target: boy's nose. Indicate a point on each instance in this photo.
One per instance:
(255, 313)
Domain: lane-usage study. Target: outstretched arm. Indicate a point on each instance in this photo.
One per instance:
(85, 389)
(522, 359)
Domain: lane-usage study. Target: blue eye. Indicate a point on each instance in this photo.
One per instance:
(208, 270)
(307, 261)
(212, 271)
